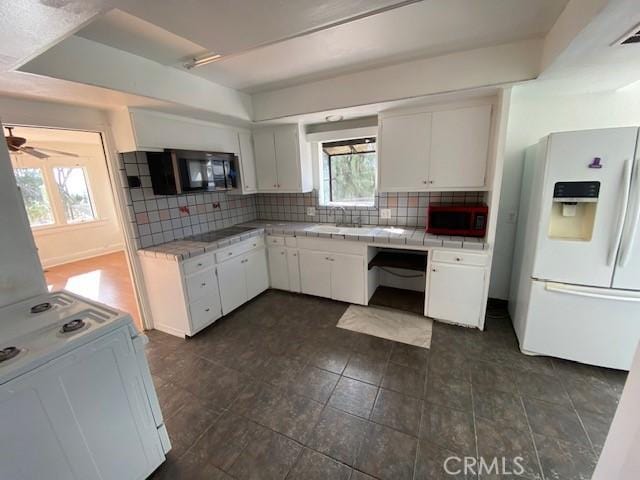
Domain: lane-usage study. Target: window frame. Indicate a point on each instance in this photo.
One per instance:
(347, 141)
(47, 166)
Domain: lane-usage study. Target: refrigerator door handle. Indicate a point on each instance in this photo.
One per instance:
(631, 237)
(626, 182)
(591, 292)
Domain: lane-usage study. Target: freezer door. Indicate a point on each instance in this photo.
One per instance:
(627, 272)
(571, 157)
(597, 326)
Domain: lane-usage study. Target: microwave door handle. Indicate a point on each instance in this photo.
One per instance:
(631, 237)
(626, 182)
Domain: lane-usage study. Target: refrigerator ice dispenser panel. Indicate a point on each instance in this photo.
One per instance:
(574, 210)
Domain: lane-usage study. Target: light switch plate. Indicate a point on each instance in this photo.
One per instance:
(311, 211)
(385, 213)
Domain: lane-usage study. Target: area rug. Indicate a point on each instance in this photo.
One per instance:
(390, 324)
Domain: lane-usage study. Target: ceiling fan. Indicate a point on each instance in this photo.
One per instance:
(17, 145)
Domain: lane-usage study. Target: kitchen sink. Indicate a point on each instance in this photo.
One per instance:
(340, 230)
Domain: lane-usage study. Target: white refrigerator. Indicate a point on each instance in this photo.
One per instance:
(575, 285)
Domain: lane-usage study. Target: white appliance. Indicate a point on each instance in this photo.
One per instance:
(575, 290)
(76, 396)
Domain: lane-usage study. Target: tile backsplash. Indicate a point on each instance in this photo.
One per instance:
(163, 218)
(407, 209)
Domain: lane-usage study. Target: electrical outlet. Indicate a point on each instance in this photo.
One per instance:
(311, 211)
(385, 213)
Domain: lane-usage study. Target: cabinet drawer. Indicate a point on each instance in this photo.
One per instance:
(197, 264)
(239, 248)
(460, 257)
(272, 240)
(201, 284)
(204, 312)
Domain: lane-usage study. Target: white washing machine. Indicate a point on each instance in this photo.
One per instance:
(76, 397)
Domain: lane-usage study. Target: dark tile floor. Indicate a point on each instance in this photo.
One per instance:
(274, 390)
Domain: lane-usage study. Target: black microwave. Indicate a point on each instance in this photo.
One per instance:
(182, 171)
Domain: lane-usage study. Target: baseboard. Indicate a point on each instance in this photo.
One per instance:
(94, 252)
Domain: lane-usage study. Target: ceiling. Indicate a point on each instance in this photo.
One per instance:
(268, 56)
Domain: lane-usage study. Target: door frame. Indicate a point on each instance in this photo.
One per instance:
(121, 209)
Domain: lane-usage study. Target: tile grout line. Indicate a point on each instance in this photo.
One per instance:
(535, 446)
(593, 449)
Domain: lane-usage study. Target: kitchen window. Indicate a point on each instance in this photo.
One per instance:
(348, 172)
(54, 195)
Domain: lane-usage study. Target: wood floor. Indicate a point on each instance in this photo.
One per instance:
(105, 279)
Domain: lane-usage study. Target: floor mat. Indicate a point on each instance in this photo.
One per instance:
(390, 324)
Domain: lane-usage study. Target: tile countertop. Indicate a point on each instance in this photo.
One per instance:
(379, 234)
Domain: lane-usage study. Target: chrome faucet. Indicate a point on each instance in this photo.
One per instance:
(344, 213)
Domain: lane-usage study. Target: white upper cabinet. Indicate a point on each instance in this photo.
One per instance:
(437, 150)
(142, 130)
(459, 147)
(283, 159)
(247, 164)
(403, 158)
(264, 149)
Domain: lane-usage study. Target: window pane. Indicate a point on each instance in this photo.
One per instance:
(74, 193)
(353, 178)
(34, 195)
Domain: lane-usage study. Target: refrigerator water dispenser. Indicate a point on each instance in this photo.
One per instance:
(573, 211)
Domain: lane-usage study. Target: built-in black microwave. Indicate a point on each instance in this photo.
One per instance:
(182, 171)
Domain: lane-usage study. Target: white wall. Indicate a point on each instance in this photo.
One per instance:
(534, 113)
(20, 270)
(67, 243)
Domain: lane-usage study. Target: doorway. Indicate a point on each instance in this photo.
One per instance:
(69, 199)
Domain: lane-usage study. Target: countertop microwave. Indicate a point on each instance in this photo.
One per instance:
(468, 220)
(174, 172)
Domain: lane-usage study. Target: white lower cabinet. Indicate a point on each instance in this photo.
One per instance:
(256, 272)
(241, 278)
(293, 266)
(233, 286)
(278, 268)
(332, 275)
(315, 273)
(456, 288)
(347, 278)
(187, 296)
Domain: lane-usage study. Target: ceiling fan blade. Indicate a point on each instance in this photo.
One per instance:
(59, 152)
(33, 152)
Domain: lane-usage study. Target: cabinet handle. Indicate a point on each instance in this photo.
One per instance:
(295, 254)
(203, 284)
(199, 264)
(255, 245)
(424, 181)
(230, 253)
(281, 253)
(275, 186)
(434, 270)
(458, 259)
(430, 181)
(207, 309)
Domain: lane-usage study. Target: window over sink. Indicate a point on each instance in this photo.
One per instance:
(348, 172)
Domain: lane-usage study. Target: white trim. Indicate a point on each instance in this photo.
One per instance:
(82, 255)
(335, 135)
(43, 230)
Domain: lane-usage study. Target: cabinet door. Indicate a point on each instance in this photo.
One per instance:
(403, 157)
(315, 273)
(278, 268)
(347, 278)
(265, 156)
(247, 163)
(288, 158)
(455, 293)
(233, 286)
(293, 265)
(256, 272)
(459, 147)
